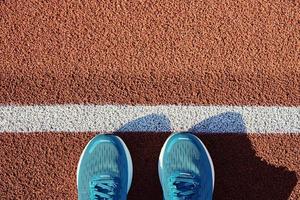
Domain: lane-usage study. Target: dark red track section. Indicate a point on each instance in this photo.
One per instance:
(37, 166)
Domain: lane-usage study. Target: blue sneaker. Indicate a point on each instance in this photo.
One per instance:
(104, 170)
(185, 169)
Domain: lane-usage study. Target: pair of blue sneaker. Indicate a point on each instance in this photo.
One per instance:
(185, 169)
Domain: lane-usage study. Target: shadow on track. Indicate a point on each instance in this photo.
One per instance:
(148, 123)
(240, 174)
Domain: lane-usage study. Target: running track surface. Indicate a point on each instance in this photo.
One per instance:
(229, 53)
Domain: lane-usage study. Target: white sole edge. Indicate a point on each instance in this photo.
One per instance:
(129, 163)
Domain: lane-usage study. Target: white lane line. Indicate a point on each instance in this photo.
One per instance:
(108, 118)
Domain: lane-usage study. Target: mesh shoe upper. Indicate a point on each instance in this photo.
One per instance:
(104, 169)
(185, 168)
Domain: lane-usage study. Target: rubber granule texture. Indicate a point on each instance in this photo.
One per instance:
(247, 166)
(235, 52)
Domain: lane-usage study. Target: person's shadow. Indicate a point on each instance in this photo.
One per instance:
(240, 174)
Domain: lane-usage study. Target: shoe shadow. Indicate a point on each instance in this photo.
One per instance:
(228, 122)
(148, 123)
(240, 174)
(144, 138)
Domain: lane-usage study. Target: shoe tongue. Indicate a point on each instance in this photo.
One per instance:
(184, 185)
(183, 177)
(103, 179)
(104, 187)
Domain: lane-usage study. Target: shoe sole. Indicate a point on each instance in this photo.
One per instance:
(206, 151)
(128, 156)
